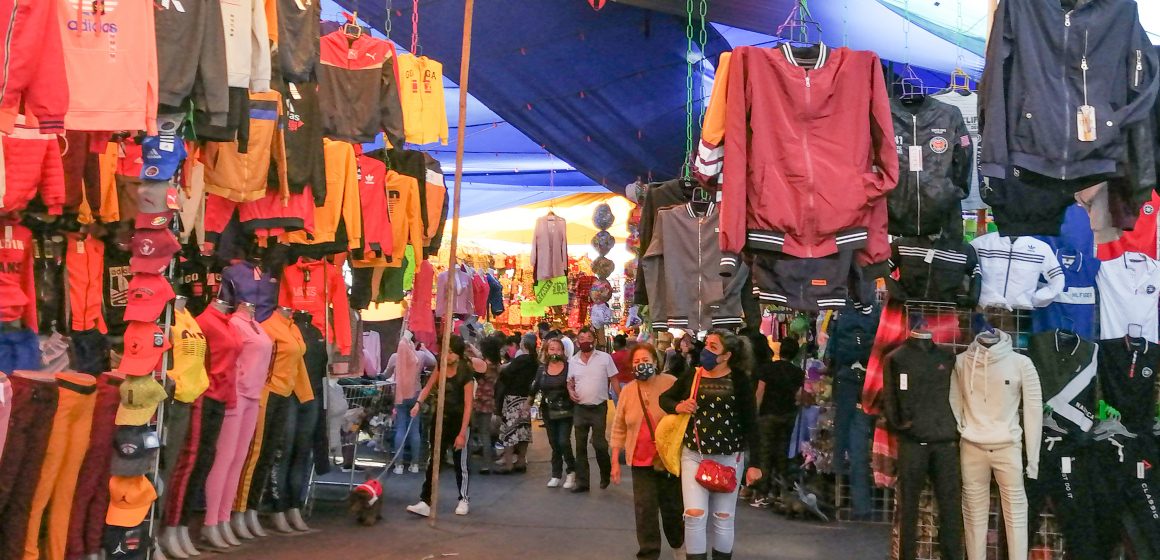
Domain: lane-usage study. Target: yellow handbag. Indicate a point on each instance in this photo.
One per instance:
(670, 434)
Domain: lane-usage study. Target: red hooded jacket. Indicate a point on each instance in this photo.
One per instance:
(809, 154)
(313, 286)
(33, 60)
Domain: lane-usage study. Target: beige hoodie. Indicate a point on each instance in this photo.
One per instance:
(989, 383)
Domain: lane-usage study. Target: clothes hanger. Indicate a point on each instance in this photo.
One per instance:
(1050, 423)
(1111, 427)
(351, 28)
(796, 27)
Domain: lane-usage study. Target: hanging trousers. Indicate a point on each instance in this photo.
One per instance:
(267, 451)
(34, 403)
(293, 473)
(1006, 463)
(854, 431)
(232, 446)
(91, 501)
(1066, 479)
(67, 444)
(939, 463)
(212, 415)
(1129, 484)
(451, 422)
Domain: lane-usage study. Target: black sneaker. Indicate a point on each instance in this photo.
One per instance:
(604, 484)
(579, 489)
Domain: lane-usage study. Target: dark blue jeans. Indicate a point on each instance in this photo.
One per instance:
(853, 430)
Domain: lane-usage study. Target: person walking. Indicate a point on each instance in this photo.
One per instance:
(557, 408)
(483, 409)
(512, 395)
(634, 431)
(778, 383)
(457, 401)
(719, 396)
(405, 366)
(591, 374)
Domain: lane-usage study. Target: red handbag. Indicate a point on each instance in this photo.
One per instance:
(711, 475)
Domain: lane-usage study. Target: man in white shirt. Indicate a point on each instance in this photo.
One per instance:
(591, 374)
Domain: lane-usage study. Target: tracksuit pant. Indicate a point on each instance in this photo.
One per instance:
(978, 464)
(178, 422)
(560, 439)
(591, 420)
(451, 422)
(180, 465)
(652, 493)
(91, 501)
(413, 438)
(854, 430)
(293, 473)
(939, 463)
(233, 444)
(5, 410)
(269, 450)
(67, 444)
(775, 432)
(718, 507)
(1066, 479)
(1129, 484)
(34, 404)
(212, 416)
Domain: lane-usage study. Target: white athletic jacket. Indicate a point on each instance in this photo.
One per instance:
(1012, 268)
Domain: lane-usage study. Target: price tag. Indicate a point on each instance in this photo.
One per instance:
(916, 158)
(1085, 123)
(903, 381)
(7, 232)
(257, 274)
(929, 258)
(1065, 465)
(80, 247)
(1140, 470)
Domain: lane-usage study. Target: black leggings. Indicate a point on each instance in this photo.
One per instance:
(560, 439)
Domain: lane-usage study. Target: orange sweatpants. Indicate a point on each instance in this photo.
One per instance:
(67, 444)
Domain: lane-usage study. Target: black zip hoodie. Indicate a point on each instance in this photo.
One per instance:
(1044, 61)
(916, 389)
(928, 192)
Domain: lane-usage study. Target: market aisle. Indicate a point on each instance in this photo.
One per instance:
(518, 517)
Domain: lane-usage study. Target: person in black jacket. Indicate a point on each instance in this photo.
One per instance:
(778, 383)
(723, 426)
(512, 395)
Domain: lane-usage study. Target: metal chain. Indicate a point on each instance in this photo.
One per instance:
(960, 60)
(906, 31)
(415, 28)
(845, 23)
(387, 22)
(702, 40)
(686, 172)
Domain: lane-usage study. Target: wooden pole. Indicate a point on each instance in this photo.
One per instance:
(448, 319)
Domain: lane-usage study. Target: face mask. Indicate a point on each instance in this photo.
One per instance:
(587, 347)
(556, 357)
(708, 359)
(645, 371)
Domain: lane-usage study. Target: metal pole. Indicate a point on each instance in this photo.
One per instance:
(981, 215)
(436, 458)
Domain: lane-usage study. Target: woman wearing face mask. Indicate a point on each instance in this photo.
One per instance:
(633, 431)
(556, 408)
(723, 427)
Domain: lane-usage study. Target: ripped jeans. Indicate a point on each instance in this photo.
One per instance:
(720, 508)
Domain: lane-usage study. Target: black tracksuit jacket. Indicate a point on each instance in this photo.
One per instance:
(928, 192)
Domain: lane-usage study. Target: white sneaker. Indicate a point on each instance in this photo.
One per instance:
(398, 469)
(420, 508)
(554, 483)
(570, 481)
(462, 508)
(414, 469)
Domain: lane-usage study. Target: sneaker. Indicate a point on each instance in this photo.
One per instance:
(760, 502)
(570, 481)
(398, 469)
(462, 508)
(420, 508)
(354, 469)
(554, 483)
(414, 469)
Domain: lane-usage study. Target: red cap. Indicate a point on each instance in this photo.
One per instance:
(152, 250)
(148, 294)
(158, 220)
(145, 343)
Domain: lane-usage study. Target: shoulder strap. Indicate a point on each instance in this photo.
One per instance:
(644, 408)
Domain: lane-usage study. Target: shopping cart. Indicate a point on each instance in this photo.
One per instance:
(361, 416)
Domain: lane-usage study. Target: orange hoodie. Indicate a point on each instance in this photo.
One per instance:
(110, 59)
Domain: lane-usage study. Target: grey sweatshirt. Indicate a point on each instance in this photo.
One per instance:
(989, 383)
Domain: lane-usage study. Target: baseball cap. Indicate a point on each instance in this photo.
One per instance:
(126, 543)
(148, 294)
(154, 220)
(152, 250)
(161, 156)
(156, 196)
(135, 450)
(129, 500)
(140, 396)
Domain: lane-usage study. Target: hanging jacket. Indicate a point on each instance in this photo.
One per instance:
(689, 252)
(359, 86)
(550, 247)
(1067, 367)
(1043, 63)
(32, 165)
(494, 296)
(1074, 308)
(406, 221)
(991, 383)
(853, 335)
(421, 96)
(1011, 268)
(242, 176)
(656, 197)
(314, 286)
(942, 269)
(967, 102)
(372, 187)
(305, 157)
(1025, 208)
(806, 178)
(341, 206)
(34, 74)
(298, 34)
(191, 58)
(711, 149)
(247, 44)
(931, 184)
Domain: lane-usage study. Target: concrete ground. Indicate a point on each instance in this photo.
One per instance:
(516, 516)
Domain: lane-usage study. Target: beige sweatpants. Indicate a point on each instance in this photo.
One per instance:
(1007, 464)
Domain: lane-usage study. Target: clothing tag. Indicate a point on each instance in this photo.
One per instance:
(929, 258)
(916, 158)
(1065, 465)
(80, 247)
(7, 232)
(1085, 119)
(257, 274)
(151, 441)
(293, 88)
(1140, 470)
(718, 196)
(350, 54)
(902, 381)
(158, 340)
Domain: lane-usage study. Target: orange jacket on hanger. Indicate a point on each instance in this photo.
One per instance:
(342, 201)
(242, 177)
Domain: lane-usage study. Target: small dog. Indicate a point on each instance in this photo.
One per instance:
(366, 502)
